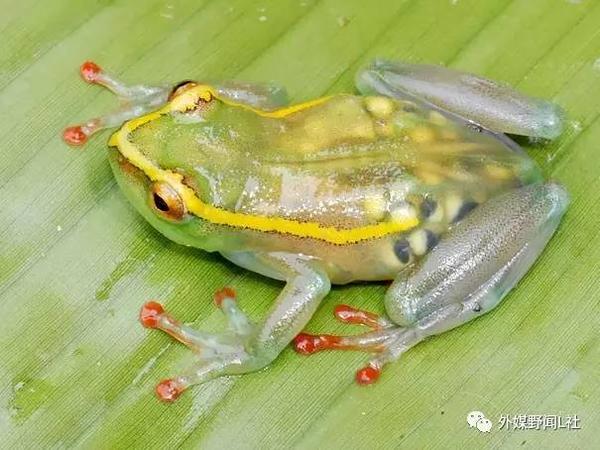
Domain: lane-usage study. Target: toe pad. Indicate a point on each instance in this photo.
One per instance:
(150, 314)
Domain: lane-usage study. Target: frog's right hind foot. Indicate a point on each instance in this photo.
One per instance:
(466, 275)
(135, 101)
(493, 106)
(383, 335)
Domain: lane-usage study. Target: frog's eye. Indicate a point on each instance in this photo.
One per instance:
(181, 87)
(166, 201)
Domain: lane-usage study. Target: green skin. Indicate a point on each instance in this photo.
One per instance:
(404, 149)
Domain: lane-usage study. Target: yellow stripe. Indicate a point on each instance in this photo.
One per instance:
(220, 216)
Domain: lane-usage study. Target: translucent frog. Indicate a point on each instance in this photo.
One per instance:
(413, 181)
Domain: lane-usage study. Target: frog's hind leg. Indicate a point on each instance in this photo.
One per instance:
(135, 100)
(493, 106)
(466, 275)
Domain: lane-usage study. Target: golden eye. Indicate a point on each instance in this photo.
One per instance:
(181, 87)
(166, 201)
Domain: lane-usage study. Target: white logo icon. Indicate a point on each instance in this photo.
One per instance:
(476, 419)
(484, 425)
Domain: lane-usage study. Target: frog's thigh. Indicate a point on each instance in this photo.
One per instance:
(478, 262)
(494, 106)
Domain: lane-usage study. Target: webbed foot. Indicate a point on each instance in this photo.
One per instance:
(245, 347)
(135, 100)
(383, 337)
(219, 354)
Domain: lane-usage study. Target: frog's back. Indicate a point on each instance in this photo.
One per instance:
(366, 183)
(345, 161)
(358, 161)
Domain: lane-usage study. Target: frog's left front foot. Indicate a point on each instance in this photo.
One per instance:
(219, 354)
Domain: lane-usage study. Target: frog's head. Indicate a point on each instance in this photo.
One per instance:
(156, 152)
(153, 160)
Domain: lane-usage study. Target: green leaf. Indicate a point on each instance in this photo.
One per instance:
(76, 262)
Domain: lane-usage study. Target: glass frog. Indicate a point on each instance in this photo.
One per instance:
(413, 181)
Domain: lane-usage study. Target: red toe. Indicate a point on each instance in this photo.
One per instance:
(311, 343)
(222, 294)
(348, 314)
(89, 71)
(168, 390)
(74, 135)
(368, 375)
(150, 314)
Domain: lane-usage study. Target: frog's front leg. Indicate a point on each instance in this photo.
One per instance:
(246, 347)
(138, 99)
(465, 276)
(135, 100)
(491, 105)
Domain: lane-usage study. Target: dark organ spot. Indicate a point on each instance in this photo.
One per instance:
(477, 307)
(432, 239)
(402, 250)
(465, 209)
(428, 207)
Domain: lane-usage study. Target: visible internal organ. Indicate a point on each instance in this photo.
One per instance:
(330, 199)
(436, 150)
(416, 160)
